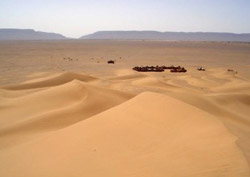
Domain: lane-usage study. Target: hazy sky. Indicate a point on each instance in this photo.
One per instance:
(74, 18)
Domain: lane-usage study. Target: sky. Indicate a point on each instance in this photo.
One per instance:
(75, 18)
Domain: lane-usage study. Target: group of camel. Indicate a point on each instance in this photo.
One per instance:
(233, 71)
(159, 68)
(201, 69)
(70, 59)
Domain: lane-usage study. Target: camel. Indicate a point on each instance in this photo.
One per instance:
(201, 69)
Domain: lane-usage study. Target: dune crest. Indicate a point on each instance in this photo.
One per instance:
(65, 112)
(56, 107)
(140, 138)
(58, 80)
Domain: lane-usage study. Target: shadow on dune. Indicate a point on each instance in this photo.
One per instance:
(61, 79)
(54, 107)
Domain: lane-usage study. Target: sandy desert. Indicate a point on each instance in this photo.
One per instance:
(65, 112)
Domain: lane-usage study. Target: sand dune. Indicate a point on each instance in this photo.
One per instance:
(153, 82)
(137, 138)
(96, 119)
(61, 79)
(57, 107)
(234, 101)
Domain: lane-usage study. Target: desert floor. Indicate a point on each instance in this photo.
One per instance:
(65, 112)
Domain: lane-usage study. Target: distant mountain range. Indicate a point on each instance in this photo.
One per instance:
(174, 36)
(30, 34)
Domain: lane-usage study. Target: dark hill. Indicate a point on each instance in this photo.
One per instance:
(176, 36)
(28, 34)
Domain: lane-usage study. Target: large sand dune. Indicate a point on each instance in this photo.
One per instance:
(86, 118)
(138, 138)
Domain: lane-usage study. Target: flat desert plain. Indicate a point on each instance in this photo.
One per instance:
(65, 112)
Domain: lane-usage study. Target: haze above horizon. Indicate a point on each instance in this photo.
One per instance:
(80, 17)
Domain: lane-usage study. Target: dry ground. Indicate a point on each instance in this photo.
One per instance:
(65, 112)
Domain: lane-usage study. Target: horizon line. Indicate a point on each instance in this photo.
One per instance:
(121, 31)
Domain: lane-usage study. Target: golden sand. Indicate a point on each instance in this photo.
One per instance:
(65, 112)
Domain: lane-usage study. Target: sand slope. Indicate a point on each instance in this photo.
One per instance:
(60, 79)
(138, 138)
(53, 108)
(83, 117)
